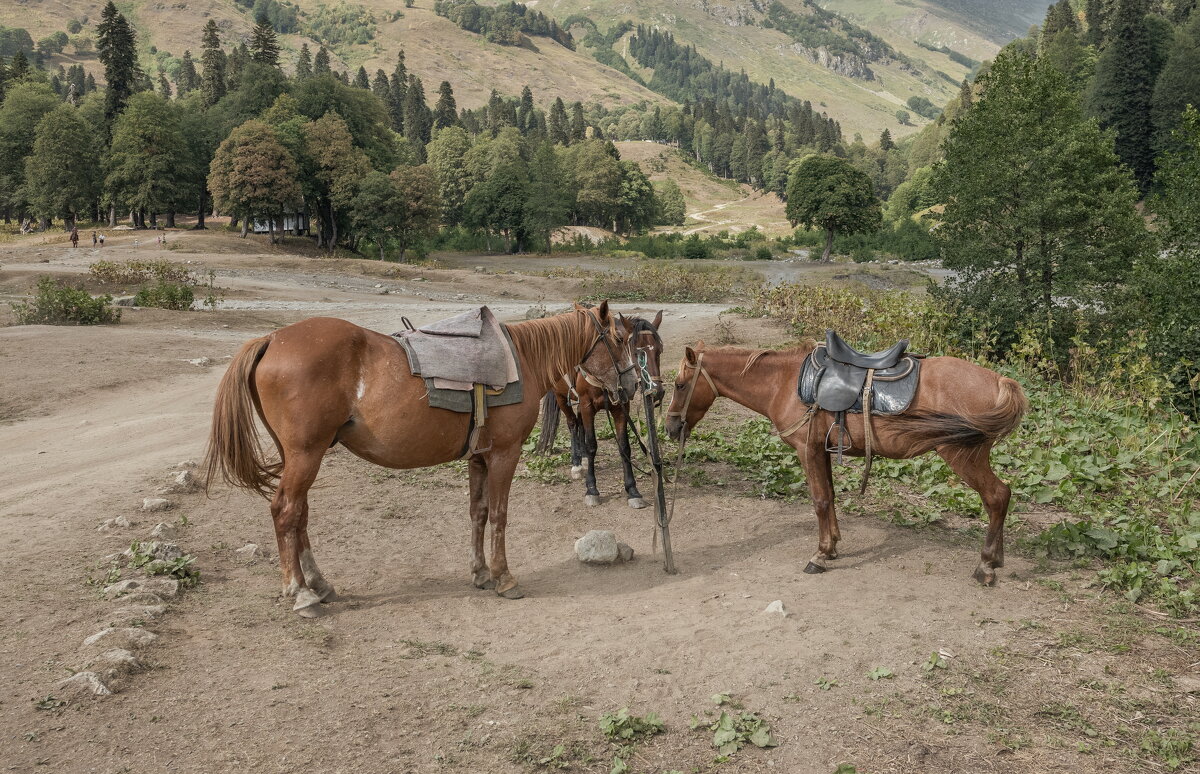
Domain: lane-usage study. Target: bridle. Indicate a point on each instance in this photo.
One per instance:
(602, 336)
(649, 381)
(691, 390)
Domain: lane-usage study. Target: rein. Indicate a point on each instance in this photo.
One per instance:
(601, 336)
(683, 434)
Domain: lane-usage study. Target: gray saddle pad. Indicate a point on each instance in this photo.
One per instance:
(834, 386)
(470, 348)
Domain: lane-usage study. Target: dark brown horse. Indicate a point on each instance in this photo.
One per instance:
(580, 401)
(325, 381)
(960, 411)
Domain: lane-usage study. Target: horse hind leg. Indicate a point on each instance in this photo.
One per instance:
(633, 496)
(974, 467)
(289, 513)
(481, 576)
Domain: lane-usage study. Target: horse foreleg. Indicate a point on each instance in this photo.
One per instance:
(819, 472)
(621, 420)
(573, 430)
(481, 576)
(289, 512)
(308, 564)
(587, 419)
(500, 469)
(975, 468)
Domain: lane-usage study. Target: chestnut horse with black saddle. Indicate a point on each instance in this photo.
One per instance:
(325, 381)
(960, 410)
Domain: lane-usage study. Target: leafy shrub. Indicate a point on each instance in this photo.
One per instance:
(136, 272)
(621, 726)
(694, 249)
(763, 253)
(669, 283)
(57, 304)
(165, 295)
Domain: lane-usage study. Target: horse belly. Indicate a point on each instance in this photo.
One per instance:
(416, 437)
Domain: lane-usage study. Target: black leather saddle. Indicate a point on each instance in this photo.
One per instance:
(834, 378)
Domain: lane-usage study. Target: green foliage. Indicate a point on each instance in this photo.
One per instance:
(341, 24)
(669, 283)
(503, 23)
(62, 171)
(923, 107)
(55, 303)
(881, 673)
(165, 295)
(622, 726)
(672, 206)
(129, 273)
(148, 164)
(818, 28)
(828, 193)
(732, 732)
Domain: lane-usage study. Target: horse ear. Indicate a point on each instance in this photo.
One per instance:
(602, 310)
(689, 356)
(658, 319)
(700, 344)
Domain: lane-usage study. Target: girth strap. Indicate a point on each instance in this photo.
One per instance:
(478, 422)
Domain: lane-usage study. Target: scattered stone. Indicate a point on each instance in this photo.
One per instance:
(535, 312)
(83, 684)
(378, 285)
(459, 296)
(120, 522)
(160, 587)
(480, 269)
(383, 292)
(132, 613)
(625, 552)
(200, 361)
(117, 559)
(152, 504)
(115, 663)
(186, 465)
(597, 547)
(124, 300)
(249, 552)
(163, 530)
(1187, 683)
(128, 637)
(776, 607)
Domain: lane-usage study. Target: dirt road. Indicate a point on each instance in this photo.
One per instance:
(416, 671)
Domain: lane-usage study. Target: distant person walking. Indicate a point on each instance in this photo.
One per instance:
(102, 240)
(74, 237)
(93, 239)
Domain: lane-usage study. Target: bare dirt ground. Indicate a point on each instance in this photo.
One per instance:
(416, 671)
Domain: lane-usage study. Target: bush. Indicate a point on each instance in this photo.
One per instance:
(676, 284)
(763, 253)
(57, 304)
(165, 295)
(136, 272)
(694, 249)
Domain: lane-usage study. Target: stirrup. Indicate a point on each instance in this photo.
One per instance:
(842, 445)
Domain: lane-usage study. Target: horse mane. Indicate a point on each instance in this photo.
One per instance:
(554, 344)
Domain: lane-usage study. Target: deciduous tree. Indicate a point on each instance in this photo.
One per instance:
(828, 193)
(253, 176)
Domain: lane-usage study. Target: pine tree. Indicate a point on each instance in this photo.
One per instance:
(164, 86)
(558, 126)
(212, 82)
(885, 141)
(361, 80)
(447, 156)
(578, 125)
(1178, 84)
(380, 87)
(321, 62)
(304, 65)
(90, 84)
(525, 110)
(1059, 17)
(1121, 90)
(189, 79)
(1094, 19)
(445, 113)
(117, 46)
(397, 88)
(18, 68)
(264, 45)
(417, 119)
(966, 96)
(237, 61)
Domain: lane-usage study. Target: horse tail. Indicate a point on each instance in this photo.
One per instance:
(234, 451)
(545, 444)
(934, 429)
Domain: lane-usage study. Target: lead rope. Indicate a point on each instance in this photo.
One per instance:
(867, 443)
(683, 437)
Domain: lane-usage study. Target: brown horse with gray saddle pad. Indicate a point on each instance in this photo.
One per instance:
(325, 381)
(848, 402)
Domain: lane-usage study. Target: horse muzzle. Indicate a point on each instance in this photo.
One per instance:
(674, 427)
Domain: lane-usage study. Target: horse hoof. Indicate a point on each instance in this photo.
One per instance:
(484, 582)
(325, 593)
(514, 593)
(814, 569)
(307, 604)
(591, 501)
(576, 472)
(985, 576)
(637, 503)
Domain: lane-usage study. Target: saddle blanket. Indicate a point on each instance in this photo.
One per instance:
(893, 389)
(454, 354)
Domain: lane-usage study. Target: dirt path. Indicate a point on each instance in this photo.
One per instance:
(415, 671)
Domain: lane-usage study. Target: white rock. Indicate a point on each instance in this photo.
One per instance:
(162, 587)
(136, 613)
(200, 361)
(624, 552)
(535, 312)
(249, 552)
(84, 684)
(776, 607)
(597, 547)
(151, 504)
(186, 464)
(128, 637)
(143, 598)
(164, 530)
(120, 522)
(480, 269)
(115, 662)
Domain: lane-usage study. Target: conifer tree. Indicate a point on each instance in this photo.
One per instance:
(264, 45)
(417, 119)
(361, 80)
(966, 96)
(578, 125)
(321, 62)
(885, 141)
(1179, 82)
(525, 110)
(18, 68)
(117, 46)
(558, 125)
(445, 113)
(164, 86)
(212, 82)
(381, 88)
(1121, 90)
(189, 79)
(447, 156)
(304, 65)
(1093, 17)
(397, 88)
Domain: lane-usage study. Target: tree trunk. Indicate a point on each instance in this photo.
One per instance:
(403, 250)
(828, 245)
(245, 227)
(170, 219)
(200, 208)
(44, 224)
(333, 230)
(112, 216)
(271, 228)
(380, 243)
(154, 220)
